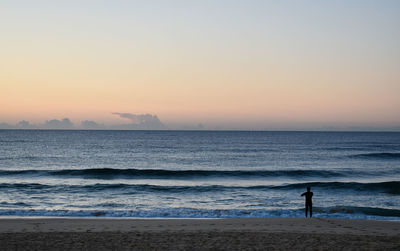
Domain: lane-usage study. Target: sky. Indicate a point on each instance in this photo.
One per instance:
(224, 64)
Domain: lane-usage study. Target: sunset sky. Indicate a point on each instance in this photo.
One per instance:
(225, 64)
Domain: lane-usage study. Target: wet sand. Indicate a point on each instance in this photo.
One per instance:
(198, 234)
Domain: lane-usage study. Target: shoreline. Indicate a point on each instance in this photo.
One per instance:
(197, 234)
(96, 224)
(12, 217)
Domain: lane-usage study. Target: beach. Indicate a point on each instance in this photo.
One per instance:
(198, 234)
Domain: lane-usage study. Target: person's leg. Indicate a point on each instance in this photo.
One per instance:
(310, 209)
(306, 210)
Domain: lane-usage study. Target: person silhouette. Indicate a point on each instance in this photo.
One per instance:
(309, 196)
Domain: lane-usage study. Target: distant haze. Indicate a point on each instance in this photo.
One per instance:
(151, 122)
(229, 64)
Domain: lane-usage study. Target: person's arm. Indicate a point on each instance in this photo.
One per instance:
(303, 194)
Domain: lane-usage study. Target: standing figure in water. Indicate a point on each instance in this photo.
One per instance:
(309, 196)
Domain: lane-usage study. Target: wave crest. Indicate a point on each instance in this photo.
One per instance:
(110, 173)
(391, 187)
(382, 155)
(336, 211)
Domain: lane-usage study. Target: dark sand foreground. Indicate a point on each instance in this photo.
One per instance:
(194, 234)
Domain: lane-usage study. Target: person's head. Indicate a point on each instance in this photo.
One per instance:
(308, 189)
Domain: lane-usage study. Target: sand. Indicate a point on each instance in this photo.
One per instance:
(198, 234)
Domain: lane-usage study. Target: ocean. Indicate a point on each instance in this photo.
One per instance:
(199, 174)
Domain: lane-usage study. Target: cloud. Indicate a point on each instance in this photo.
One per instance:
(138, 118)
(136, 122)
(91, 125)
(130, 116)
(139, 122)
(58, 124)
(25, 125)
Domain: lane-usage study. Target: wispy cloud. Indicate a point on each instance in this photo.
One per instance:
(137, 118)
(140, 121)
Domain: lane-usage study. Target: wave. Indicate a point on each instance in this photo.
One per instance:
(382, 155)
(110, 173)
(156, 213)
(359, 210)
(30, 186)
(332, 212)
(32, 158)
(16, 141)
(390, 187)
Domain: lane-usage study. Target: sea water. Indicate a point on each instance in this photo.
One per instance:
(199, 174)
